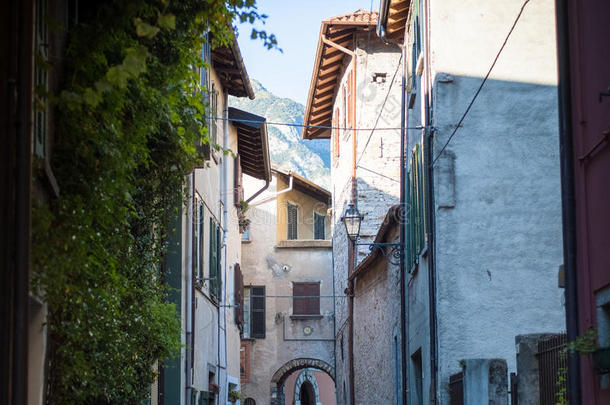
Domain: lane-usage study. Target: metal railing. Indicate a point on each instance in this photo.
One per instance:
(551, 365)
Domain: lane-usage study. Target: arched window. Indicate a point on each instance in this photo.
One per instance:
(250, 401)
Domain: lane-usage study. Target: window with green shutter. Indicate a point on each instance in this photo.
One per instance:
(292, 216)
(215, 280)
(416, 235)
(318, 226)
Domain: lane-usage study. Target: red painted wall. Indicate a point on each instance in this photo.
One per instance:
(589, 32)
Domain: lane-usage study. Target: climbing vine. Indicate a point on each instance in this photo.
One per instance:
(129, 114)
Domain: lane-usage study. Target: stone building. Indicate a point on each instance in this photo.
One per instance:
(204, 260)
(288, 307)
(354, 99)
(483, 228)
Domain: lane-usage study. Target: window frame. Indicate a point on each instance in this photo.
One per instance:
(319, 214)
(308, 301)
(290, 204)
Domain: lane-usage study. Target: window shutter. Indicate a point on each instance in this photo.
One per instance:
(257, 312)
(238, 191)
(310, 303)
(318, 226)
(214, 260)
(292, 216)
(239, 296)
(218, 255)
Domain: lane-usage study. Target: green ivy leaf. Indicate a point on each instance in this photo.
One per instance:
(92, 97)
(144, 29)
(167, 21)
(135, 60)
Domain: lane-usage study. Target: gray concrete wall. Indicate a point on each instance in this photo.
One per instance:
(263, 263)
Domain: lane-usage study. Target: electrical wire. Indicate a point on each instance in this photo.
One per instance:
(304, 126)
(476, 94)
(381, 111)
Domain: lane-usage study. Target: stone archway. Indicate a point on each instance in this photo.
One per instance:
(277, 381)
(306, 391)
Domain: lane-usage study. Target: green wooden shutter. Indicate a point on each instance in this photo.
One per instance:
(213, 260)
(218, 273)
(292, 221)
(257, 312)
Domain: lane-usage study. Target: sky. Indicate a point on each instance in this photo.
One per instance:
(297, 26)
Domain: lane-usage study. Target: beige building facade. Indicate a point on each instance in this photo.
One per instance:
(288, 302)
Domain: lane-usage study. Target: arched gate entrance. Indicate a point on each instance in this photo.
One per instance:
(279, 377)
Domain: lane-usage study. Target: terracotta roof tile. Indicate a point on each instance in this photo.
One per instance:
(359, 16)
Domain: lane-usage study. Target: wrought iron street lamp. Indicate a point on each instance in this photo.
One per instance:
(352, 219)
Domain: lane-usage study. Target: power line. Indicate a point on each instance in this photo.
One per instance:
(288, 124)
(381, 111)
(476, 94)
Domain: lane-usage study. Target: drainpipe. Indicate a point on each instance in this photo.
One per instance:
(350, 294)
(429, 140)
(225, 234)
(273, 196)
(568, 196)
(403, 205)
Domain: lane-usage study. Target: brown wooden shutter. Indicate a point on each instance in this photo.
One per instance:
(238, 190)
(239, 296)
(310, 303)
(257, 312)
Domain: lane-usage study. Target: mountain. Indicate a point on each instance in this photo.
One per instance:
(310, 159)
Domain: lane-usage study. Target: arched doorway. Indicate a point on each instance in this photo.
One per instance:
(306, 389)
(279, 378)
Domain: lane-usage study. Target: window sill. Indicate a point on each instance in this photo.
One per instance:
(306, 317)
(246, 241)
(305, 243)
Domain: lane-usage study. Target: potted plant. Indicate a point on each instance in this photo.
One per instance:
(234, 396)
(241, 216)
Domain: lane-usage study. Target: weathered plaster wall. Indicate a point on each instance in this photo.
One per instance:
(377, 334)
(378, 172)
(209, 189)
(277, 268)
(497, 189)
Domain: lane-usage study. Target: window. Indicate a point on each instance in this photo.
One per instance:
(254, 312)
(318, 225)
(306, 298)
(204, 80)
(416, 200)
(199, 247)
(245, 236)
(215, 280)
(238, 290)
(292, 216)
(244, 361)
(213, 115)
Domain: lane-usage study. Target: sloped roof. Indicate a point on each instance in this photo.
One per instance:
(252, 143)
(393, 19)
(303, 185)
(230, 68)
(328, 66)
